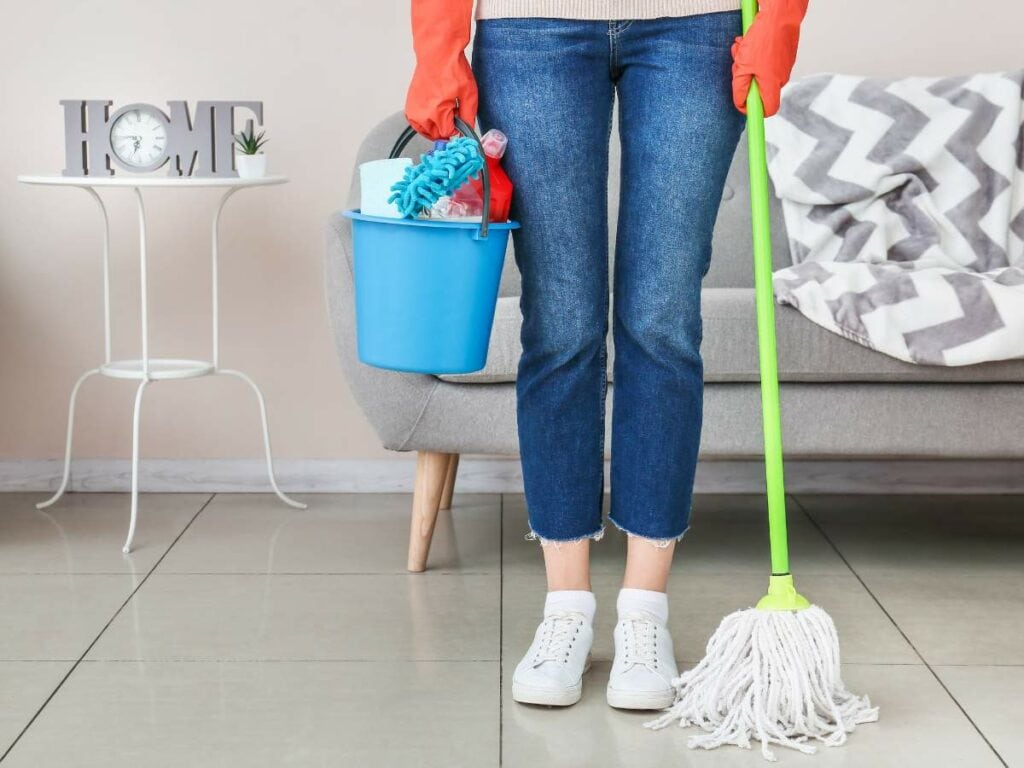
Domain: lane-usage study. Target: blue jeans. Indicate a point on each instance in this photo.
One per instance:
(549, 84)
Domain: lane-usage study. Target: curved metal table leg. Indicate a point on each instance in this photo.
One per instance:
(106, 271)
(266, 438)
(136, 414)
(67, 444)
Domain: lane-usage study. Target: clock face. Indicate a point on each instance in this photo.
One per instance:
(138, 138)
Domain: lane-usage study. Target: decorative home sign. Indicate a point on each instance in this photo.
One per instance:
(141, 137)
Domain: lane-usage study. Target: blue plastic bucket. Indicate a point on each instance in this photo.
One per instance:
(426, 291)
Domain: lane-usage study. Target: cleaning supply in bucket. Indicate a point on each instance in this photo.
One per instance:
(376, 178)
(438, 174)
(447, 208)
(494, 143)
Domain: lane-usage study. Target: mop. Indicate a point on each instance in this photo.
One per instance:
(438, 174)
(770, 673)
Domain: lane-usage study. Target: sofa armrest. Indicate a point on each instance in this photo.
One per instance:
(393, 402)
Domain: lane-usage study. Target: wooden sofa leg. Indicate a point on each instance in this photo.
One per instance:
(431, 472)
(449, 481)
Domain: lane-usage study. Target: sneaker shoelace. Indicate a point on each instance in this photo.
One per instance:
(640, 638)
(558, 633)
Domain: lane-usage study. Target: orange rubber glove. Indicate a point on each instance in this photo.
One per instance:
(767, 53)
(440, 34)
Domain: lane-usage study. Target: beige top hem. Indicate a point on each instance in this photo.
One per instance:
(600, 9)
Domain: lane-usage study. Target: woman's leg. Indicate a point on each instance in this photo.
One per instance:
(647, 566)
(679, 132)
(567, 565)
(546, 84)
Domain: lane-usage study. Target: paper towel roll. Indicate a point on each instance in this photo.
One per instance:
(375, 180)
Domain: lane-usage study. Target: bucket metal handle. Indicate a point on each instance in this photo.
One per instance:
(466, 130)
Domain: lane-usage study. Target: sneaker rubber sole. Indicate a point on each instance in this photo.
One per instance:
(565, 697)
(640, 699)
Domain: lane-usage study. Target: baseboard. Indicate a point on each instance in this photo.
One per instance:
(484, 475)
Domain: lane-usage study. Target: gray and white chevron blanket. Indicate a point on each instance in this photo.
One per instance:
(904, 204)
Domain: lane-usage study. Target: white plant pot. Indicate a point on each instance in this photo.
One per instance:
(251, 166)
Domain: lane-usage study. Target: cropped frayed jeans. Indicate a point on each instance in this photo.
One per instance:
(550, 84)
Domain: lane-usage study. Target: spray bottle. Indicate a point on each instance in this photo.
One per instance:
(494, 143)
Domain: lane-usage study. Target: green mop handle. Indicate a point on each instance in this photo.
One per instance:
(770, 410)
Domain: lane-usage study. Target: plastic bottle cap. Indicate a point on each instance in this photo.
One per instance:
(494, 143)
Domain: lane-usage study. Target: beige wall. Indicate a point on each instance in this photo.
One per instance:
(326, 70)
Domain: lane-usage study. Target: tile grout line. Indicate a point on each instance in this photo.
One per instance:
(501, 627)
(182, 660)
(117, 613)
(252, 573)
(899, 629)
(419, 576)
(791, 497)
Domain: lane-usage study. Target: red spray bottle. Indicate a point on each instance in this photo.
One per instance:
(494, 143)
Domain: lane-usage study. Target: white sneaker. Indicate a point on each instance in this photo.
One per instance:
(552, 670)
(641, 676)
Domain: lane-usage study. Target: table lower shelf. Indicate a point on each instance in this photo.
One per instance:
(159, 369)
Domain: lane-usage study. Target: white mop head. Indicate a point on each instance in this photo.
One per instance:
(772, 676)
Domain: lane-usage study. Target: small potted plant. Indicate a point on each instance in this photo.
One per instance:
(250, 162)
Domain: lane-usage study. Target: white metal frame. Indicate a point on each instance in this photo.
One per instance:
(147, 369)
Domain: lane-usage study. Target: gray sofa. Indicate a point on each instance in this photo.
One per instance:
(839, 399)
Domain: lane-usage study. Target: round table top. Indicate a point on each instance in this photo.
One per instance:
(56, 179)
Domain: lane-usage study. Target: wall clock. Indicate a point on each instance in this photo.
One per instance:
(138, 137)
(142, 138)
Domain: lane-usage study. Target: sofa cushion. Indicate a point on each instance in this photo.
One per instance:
(807, 352)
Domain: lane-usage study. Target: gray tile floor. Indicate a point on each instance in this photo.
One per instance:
(244, 633)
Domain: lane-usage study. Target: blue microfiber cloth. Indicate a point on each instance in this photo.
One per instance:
(438, 174)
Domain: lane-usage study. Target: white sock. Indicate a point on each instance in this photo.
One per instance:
(643, 601)
(571, 601)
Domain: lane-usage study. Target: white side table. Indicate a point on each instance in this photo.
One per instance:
(148, 369)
